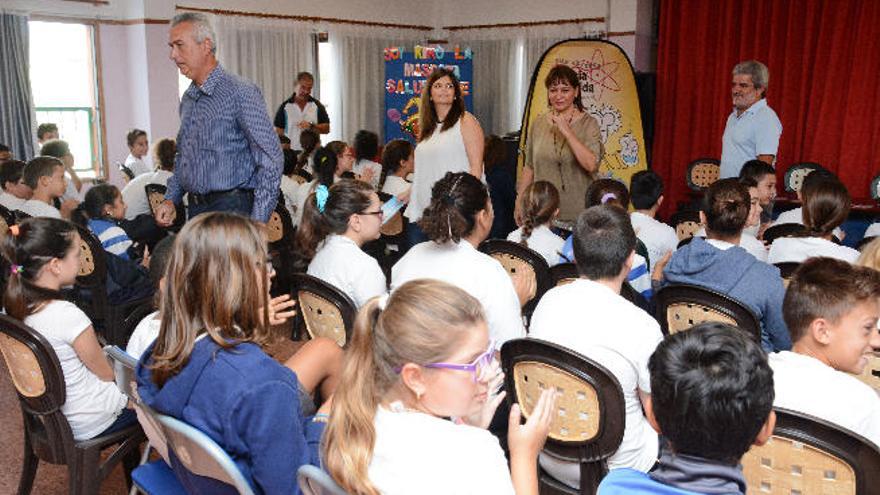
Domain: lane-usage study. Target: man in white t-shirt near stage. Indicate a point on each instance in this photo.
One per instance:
(589, 316)
(301, 111)
(753, 129)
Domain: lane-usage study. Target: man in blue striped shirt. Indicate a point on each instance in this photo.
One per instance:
(228, 155)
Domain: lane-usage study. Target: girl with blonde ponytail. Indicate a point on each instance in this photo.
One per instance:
(417, 357)
(539, 204)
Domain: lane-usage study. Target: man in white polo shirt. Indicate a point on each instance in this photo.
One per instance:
(589, 316)
(301, 111)
(753, 129)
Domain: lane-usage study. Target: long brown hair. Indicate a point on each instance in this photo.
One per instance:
(539, 203)
(216, 283)
(38, 241)
(826, 206)
(428, 119)
(424, 321)
(345, 198)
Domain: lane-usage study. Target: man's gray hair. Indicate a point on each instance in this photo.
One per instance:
(759, 73)
(202, 25)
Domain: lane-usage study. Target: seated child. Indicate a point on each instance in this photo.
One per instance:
(134, 193)
(138, 146)
(5, 154)
(336, 223)
(398, 161)
(366, 146)
(720, 264)
(646, 193)
(589, 316)
(45, 176)
(14, 192)
(613, 192)
(826, 207)
(44, 257)
(457, 220)
(712, 399)
(208, 368)
(796, 215)
(332, 162)
(764, 176)
(100, 212)
(831, 309)
(148, 329)
(61, 150)
(416, 359)
(309, 142)
(747, 240)
(540, 206)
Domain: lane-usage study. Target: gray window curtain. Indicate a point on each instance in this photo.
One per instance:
(267, 52)
(496, 102)
(17, 120)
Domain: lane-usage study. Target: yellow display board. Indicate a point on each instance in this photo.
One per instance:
(608, 92)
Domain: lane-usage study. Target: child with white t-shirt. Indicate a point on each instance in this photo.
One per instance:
(366, 146)
(826, 207)
(138, 146)
(539, 204)
(589, 316)
(831, 309)
(646, 194)
(45, 176)
(416, 359)
(398, 161)
(44, 257)
(336, 222)
(14, 191)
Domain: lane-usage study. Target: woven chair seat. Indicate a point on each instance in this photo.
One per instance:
(783, 465)
(577, 405)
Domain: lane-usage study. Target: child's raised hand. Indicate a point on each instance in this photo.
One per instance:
(494, 396)
(527, 440)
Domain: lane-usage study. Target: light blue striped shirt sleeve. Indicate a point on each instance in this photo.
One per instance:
(226, 141)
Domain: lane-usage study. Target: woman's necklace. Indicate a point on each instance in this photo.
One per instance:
(559, 147)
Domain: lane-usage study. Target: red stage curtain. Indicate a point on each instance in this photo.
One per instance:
(824, 61)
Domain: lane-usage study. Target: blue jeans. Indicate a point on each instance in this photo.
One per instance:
(239, 201)
(125, 419)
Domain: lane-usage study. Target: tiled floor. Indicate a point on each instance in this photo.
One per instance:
(50, 479)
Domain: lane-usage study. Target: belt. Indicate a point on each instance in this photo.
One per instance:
(208, 198)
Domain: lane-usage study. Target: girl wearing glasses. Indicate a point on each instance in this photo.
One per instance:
(336, 222)
(450, 140)
(417, 357)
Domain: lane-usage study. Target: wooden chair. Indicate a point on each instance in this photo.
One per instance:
(590, 417)
(313, 481)
(702, 173)
(681, 306)
(786, 270)
(809, 455)
(687, 223)
(155, 197)
(113, 322)
(323, 310)
(794, 176)
(516, 258)
(39, 382)
(783, 230)
(280, 236)
(871, 373)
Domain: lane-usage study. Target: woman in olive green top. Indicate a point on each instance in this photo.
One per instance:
(564, 145)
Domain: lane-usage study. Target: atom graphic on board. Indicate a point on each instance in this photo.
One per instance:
(598, 72)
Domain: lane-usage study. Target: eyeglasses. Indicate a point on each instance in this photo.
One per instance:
(476, 368)
(380, 213)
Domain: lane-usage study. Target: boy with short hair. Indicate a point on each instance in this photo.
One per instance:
(589, 316)
(5, 153)
(646, 195)
(712, 399)
(60, 149)
(15, 192)
(764, 176)
(45, 176)
(831, 309)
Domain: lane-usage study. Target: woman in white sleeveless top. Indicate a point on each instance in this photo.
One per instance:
(450, 140)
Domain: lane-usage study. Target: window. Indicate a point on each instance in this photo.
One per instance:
(63, 82)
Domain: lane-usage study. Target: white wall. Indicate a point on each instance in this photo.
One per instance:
(471, 12)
